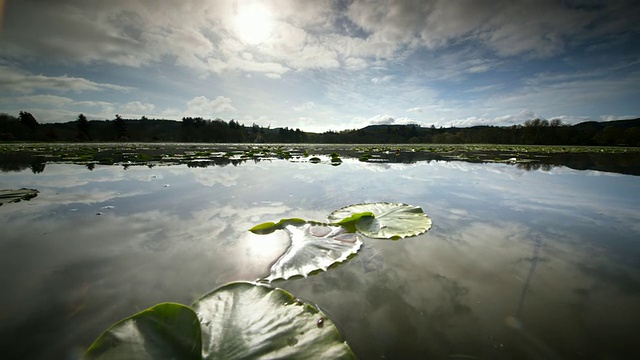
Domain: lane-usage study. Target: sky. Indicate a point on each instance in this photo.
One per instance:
(322, 65)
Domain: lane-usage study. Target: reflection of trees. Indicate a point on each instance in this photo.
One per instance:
(37, 167)
(19, 161)
(619, 162)
(530, 166)
(221, 161)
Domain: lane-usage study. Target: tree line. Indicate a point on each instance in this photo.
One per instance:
(532, 132)
(25, 127)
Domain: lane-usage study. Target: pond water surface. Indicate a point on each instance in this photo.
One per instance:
(518, 264)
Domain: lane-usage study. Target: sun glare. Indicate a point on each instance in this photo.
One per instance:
(253, 24)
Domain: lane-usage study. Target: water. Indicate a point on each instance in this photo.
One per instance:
(518, 264)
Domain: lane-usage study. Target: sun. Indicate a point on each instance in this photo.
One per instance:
(253, 24)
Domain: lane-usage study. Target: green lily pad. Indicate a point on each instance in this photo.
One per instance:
(12, 196)
(164, 331)
(245, 320)
(240, 320)
(389, 220)
(314, 246)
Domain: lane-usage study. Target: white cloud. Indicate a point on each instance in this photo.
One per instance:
(304, 107)
(136, 107)
(383, 79)
(314, 56)
(503, 120)
(14, 80)
(103, 104)
(190, 47)
(570, 95)
(38, 100)
(202, 106)
(389, 120)
(479, 68)
(518, 118)
(382, 120)
(353, 63)
(571, 119)
(618, 117)
(239, 63)
(355, 59)
(538, 28)
(305, 35)
(514, 119)
(486, 88)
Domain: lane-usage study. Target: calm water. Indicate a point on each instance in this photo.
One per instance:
(518, 265)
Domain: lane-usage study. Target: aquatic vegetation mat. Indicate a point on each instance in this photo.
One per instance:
(18, 157)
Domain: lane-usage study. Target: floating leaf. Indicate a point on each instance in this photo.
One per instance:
(389, 220)
(355, 217)
(264, 228)
(165, 331)
(269, 226)
(314, 246)
(244, 320)
(239, 320)
(12, 196)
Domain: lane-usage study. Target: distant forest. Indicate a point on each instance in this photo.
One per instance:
(25, 127)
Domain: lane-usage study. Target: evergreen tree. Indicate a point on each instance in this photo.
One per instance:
(28, 120)
(120, 127)
(83, 127)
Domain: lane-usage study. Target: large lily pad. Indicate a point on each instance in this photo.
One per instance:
(12, 196)
(165, 331)
(253, 321)
(314, 246)
(240, 320)
(389, 220)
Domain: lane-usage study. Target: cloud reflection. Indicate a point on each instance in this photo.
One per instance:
(445, 293)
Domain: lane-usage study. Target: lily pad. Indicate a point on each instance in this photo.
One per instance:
(12, 196)
(389, 220)
(245, 320)
(240, 320)
(165, 331)
(314, 246)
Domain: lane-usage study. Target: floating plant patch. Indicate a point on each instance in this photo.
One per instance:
(384, 220)
(240, 320)
(13, 196)
(314, 246)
